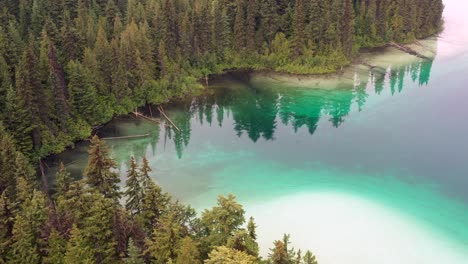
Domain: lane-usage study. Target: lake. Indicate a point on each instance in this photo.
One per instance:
(366, 166)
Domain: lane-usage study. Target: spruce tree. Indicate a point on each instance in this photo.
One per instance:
(309, 258)
(166, 233)
(145, 173)
(56, 248)
(298, 36)
(62, 180)
(59, 87)
(251, 227)
(240, 26)
(98, 228)
(279, 254)
(79, 250)
(154, 204)
(250, 28)
(187, 252)
(101, 172)
(134, 255)
(133, 190)
(242, 241)
(8, 155)
(30, 97)
(6, 224)
(223, 220)
(26, 230)
(269, 22)
(83, 95)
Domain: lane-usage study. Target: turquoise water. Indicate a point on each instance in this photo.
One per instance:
(364, 166)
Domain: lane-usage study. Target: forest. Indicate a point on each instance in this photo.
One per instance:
(93, 221)
(67, 66)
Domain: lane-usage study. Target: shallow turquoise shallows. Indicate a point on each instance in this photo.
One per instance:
(366, 166)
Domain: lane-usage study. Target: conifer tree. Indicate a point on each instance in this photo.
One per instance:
(279, 254)
(18, 121)
(251, 227)
(8, 154)
(309, 258)
(223, 220)
(348, 28)
(5, 80)
(26, 230)
(187, 252)
(83, 96)
(32, 99)
(6, 224)
(145, 173)
(56, 248)
(25, 177)
(269, 19)
(250, 28)
(298, 37)
(169, 28)
(134, 255)
(225, 255)
(79, 250)
(62, 180)
(100, 171)
(59, 87)
(240, 25)
(134, 190)
(103, 53)
(242, 241)
(166, 233)
(98, 228)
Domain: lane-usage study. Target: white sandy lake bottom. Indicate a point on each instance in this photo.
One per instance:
(341, 229)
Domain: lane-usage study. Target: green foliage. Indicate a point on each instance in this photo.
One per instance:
(62, 180)
(134, 191)
(309, 258)
(84, 224)
(167, 233)
(98, 228)
(242, 241)
(79, 250)
(56, 248)
(222, 221)
(225, 255)
(188, 253)
(154, 204)
(101, 172)
(66, 66)
(251, 227)
(134, 255)
(26, 230)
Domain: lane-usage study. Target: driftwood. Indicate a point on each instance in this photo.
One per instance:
(168, 119)
(408, 50)
(137, 114)
(126, 137)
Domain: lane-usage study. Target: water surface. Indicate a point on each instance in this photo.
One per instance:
(366, 166)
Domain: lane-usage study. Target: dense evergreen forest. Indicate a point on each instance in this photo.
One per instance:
(93, 221)
(69, 65)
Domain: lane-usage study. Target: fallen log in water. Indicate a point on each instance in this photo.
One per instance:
(408, 50)
(168, 119)
(127, 137)
(137, 114)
